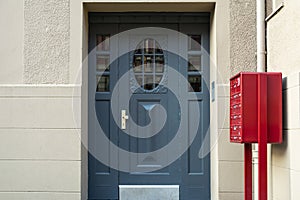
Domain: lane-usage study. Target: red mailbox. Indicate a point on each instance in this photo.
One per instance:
(256, 117)
(244, 104)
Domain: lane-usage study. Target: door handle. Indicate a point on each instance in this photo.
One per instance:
(124, 117)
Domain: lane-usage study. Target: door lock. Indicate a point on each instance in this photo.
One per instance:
(124, 117)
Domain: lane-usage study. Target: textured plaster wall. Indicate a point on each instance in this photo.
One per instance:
(242, 35)
(46, 41)
(283, 39)
(269, 7)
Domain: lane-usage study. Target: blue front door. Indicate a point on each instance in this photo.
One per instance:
(148, 85)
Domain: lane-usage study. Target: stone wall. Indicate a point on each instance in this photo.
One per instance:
(46, 41)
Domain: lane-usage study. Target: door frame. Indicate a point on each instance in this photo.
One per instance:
(149, 7)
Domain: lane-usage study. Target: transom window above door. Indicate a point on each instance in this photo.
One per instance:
(148, 64)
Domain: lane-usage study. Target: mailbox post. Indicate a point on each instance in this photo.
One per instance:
(256, 117)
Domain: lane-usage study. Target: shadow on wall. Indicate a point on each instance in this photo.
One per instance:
(281, 149)
(280, 175)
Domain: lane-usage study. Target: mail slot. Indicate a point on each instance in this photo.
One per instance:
(244, 103)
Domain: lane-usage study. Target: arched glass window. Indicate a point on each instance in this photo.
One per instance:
(148, 64)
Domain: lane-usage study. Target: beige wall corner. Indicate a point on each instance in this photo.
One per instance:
(283, 31)
(40, 142)
(11, 40)
(285, 159)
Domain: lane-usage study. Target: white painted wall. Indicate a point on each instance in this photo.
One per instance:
(11, 40)
(285, 162)
(283, 41)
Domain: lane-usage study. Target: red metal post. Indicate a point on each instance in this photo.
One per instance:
(248, 170)
(262, 137)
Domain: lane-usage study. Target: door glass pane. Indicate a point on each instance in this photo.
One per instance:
(149, 46)
(194, 43)
(102, 63)
(148, 61)
(158, 79)
(138, 63)
(102, 42)
(158, 50)
(139, 49)
(139, 79)
(159, 63)
(195, 83)
(194, 62)
(148, 82)
(148, 65)
(102, 83)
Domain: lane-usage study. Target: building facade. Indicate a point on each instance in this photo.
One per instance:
(45, 86)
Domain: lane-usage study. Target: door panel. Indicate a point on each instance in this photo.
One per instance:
(144, 103)
(196, 168)
(190, 171)
(103, 180)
